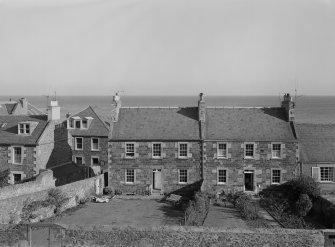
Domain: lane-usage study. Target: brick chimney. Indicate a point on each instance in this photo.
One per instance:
(202, 114)
(116, 105)
(288, 105)
(53, 111)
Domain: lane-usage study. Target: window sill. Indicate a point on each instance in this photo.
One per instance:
(326, 182)
(222, 183)
(183, 158)
(275, 183)
(130, 183)
(157, 158)
(222, 158)
(95, 150)
(76, 149)
(276, 158)
(249, 158)
(129, 158)
(182, 182)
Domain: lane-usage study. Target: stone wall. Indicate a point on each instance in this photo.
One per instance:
(235, 164)
(186, 236)
(43, 181)
(27, 167)
(82, 189)
(87, 153)
(45, 147)
(144, 165)
(62, 152)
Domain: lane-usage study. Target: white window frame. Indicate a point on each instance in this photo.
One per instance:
(280, 173)
(95, 157)
(126, 176)
(217, 150)
(78, 156)
(125, 150)
(245, 150)
(24, 128)
(161, 147)
(11, 176)
(14, 176)
(92, 149)
(75, 143)
(187, 147)
(280, 151)
(332, 177)
(82, 123)
(13, 155)
(187, 176)
(218, 173)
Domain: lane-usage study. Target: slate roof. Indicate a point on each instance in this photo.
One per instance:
(157, 123)
(9, 107)
(317, 142)
(8, 133)
(97, 127)
(249, 123)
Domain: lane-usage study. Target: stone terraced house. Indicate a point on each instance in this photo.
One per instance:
(26, 138)
(163, 149)
(317, 153)
(87, 135)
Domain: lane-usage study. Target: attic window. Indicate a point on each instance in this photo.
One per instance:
(84, 123)
(24, 128)
(78, 124)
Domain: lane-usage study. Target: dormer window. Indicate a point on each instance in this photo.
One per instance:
(84, 124)
(71, 124)
(78, 124)
(24, 128)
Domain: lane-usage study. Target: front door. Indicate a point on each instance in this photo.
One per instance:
(157, 179)
(249, 181)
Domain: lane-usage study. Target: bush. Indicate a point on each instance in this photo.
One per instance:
(243, 203)
(56, 197)
(4, 177)
(197, 210)
(303, 205)
(303, 185)
(108, 191)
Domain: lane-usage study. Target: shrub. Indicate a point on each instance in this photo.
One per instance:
(56, 197)
(4, 177)
(303, 205)
(108, 191)
(243, 203)
(197, 209)
(303, 185)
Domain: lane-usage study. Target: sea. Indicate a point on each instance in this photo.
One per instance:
(309, 109)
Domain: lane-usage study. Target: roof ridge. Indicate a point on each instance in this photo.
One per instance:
(241, 107)
(156, 107)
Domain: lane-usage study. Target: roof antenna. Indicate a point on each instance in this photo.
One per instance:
(296, 96)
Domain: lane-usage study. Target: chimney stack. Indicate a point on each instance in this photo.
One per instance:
(116, 105)
(288, 105)
(53, 111)
(202, 114)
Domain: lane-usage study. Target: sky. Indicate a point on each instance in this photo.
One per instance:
(167, 47)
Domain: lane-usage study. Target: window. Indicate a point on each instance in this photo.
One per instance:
(24, 128)
(130, 150)
(276, 176)
(17, 155)
(17, 177)
(183, 150)
(85, 124)
(130, 176)
(276, 150)
(156, 150)
(326, 174)
(95, 144)
(71, 123)
(249, 150)
(222, 150)
(182, 176)
(222, 176)
(79, 143)
(78, 124)
(95, 161)
(78, 160)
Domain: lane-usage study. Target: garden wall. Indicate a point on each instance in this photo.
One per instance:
(180, 236)
(82, 189)
(43, 181)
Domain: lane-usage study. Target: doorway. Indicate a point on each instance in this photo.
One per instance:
(249, 180)
(106, 179)
(157, 179)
